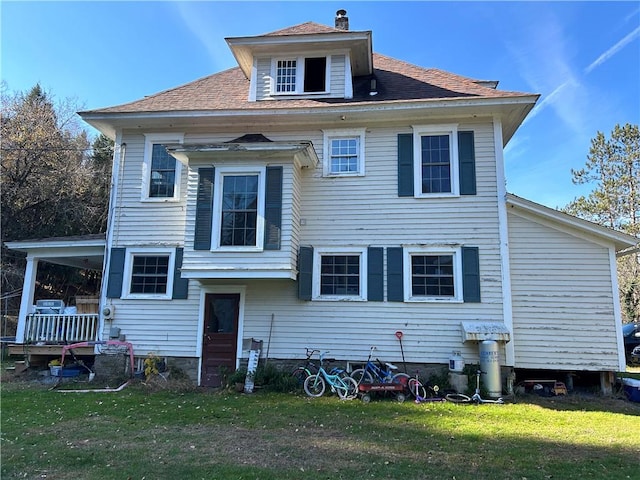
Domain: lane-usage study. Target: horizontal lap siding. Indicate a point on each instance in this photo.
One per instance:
(340, 211)
(145, 223)
(203, 259)
(166, 327)
(563, 311)
(349, 329)
(367, 211)
(263, 79)
(337, 76)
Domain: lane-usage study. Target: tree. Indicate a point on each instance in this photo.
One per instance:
(613, 166)
(53, 183)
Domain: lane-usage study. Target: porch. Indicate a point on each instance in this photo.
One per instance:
(46, 334)
(43, 333)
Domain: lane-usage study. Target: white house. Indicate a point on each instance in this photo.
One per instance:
(320, 194)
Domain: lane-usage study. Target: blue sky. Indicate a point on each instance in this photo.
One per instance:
(582, 57)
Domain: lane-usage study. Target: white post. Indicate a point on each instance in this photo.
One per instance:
(28, 289)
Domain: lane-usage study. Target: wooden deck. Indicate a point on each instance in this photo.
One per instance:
(41, 354)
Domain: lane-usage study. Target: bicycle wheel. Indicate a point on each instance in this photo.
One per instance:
(416, 389)
(348, 390)
(457, 398)
(401, 378)
(314, 386)
(300, 374)
(361, 375)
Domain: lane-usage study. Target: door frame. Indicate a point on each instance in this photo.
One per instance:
(204, 290)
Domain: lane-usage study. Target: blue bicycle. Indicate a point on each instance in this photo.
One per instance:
(316, 384)
(310, 367)
(378, 372)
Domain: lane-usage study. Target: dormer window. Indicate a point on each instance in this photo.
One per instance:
(300, 75)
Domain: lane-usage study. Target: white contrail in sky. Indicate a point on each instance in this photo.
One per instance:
(613, 50)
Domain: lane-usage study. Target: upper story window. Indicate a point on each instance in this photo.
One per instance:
(286, 76)
(239, 208)
(161, 171)
(300, 75)
(239, 216)
(343, 152)
(436, 160)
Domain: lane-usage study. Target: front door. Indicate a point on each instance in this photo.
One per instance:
(220, 337)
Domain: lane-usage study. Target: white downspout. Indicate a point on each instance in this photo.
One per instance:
(112, 222)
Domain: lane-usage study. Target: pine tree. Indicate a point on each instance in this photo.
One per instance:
(613, 166)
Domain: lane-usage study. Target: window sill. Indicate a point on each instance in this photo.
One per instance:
(338, 299)
(432, 300)
(437, 195)
(146, 297)
(160, 200)
(237, 249)
(340, 175)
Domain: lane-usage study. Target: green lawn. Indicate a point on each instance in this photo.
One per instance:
(136, 434)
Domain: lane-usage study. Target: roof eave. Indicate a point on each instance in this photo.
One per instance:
(244, 49)
(512, 111)
(303, 152)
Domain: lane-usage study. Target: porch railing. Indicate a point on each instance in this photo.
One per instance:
(61, 328)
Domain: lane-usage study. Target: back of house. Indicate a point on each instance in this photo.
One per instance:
(322, 195)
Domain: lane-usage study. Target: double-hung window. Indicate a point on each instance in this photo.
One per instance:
(343, 152)
(161, 171)
(239, 208)
(433, 275)
(149, 273)
(435, 160)
(340, 274)
(300, 75)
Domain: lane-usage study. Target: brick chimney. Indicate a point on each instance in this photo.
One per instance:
(342, 21)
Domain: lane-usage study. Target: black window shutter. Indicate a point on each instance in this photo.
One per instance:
(471, 274)
(375, 274)
(305, 273)
(395, 276)
(116, 272)
(405, 165)
(180, 285)
(467, 163)
(273, 208)
(204, 209)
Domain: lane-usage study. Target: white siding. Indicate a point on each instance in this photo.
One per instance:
(337, 76)
(219, 260)
(318, 211)
(563, 306)
(140, 222)
(166, 327)
(263, 79)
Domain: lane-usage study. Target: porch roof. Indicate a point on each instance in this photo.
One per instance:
(82, 251)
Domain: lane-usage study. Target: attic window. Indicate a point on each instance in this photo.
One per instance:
(314, 74)
(300, 75)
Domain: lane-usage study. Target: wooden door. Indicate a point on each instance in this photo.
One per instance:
(220, 337)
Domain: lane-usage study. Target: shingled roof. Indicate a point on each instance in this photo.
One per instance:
(307, 28)
(397, 81)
